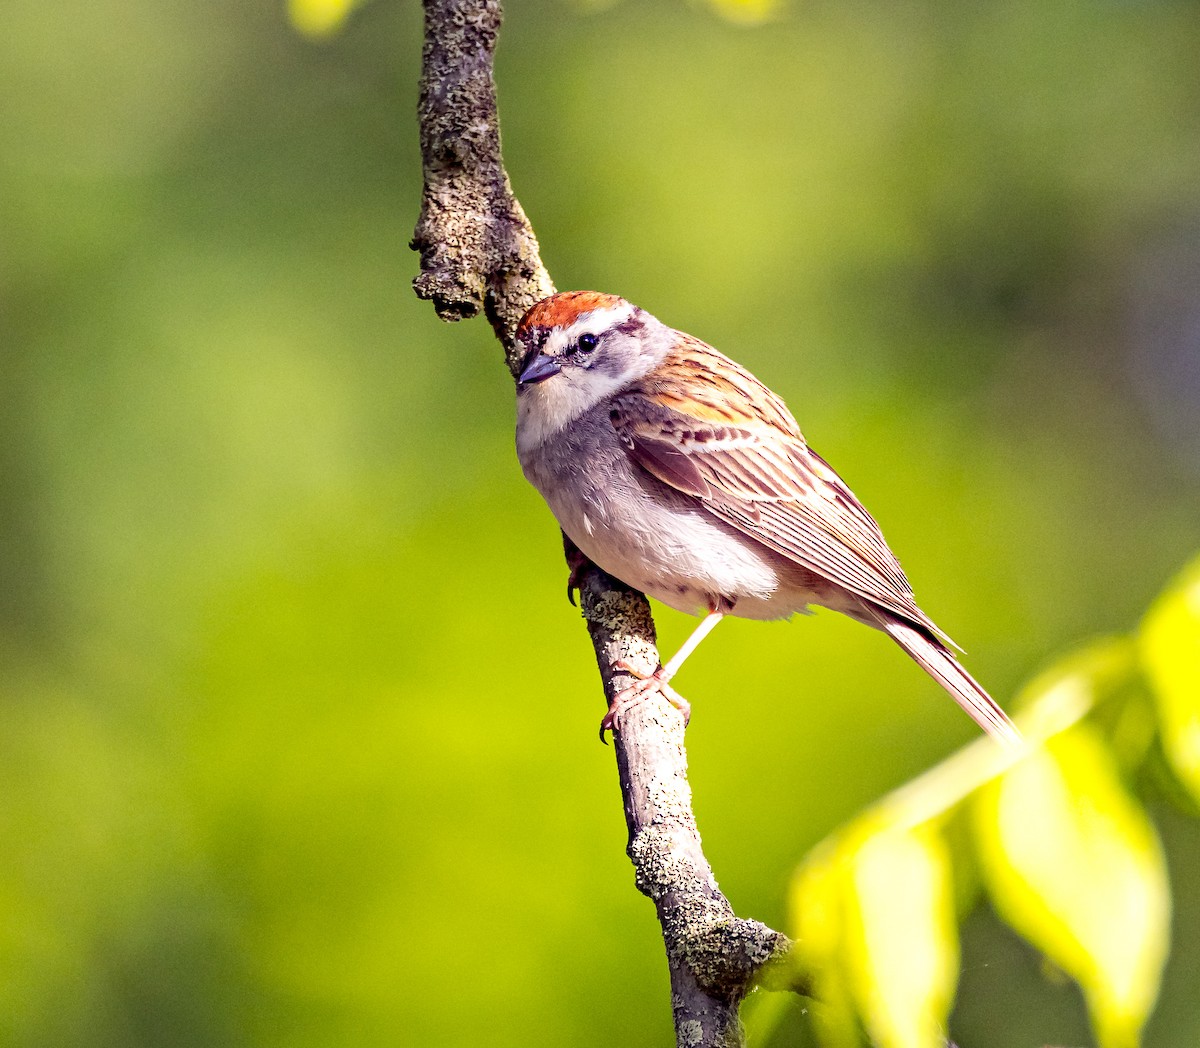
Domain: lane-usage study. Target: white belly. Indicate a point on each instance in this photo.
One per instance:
(657, 540)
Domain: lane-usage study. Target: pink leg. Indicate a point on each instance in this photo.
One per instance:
(658, 681)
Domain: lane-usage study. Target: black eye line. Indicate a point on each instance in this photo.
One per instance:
(585, 343)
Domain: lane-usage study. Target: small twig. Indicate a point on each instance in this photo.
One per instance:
(478, 252)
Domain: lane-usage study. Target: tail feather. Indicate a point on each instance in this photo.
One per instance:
(935, 659)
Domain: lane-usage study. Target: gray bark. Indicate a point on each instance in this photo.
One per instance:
(478, 252)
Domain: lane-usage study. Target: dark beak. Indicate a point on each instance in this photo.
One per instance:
(540, 368)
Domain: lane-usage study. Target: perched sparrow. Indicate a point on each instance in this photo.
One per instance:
(675, 470)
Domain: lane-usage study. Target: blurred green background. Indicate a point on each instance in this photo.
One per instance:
(297, 730)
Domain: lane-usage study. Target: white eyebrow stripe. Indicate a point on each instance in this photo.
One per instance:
(596, 322)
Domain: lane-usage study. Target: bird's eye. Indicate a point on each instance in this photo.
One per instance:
(588, 342)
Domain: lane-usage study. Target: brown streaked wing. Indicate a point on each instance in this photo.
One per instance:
(705, 385)
(723, 438)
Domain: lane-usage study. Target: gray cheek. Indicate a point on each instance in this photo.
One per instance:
(611, 364)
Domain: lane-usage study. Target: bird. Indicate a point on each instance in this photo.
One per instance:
(676, 471)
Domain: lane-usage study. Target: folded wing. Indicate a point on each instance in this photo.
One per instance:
(725, 439)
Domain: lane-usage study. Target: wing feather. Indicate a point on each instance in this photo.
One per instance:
(730, 443)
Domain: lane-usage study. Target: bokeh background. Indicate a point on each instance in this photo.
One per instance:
(297, 730)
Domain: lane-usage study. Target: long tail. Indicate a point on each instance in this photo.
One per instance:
(936, 659)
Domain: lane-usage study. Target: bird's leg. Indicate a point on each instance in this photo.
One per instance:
(578, 563)
(659, 681)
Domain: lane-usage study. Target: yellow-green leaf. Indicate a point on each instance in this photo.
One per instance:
(747, 12)
(875, 920)
(904, 957)
(1170, 647)
(1073, 864)
(819, 926)
(319, 18)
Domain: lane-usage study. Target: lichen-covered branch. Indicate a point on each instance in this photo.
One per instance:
(715, 957)
(478, 252)
(477, 248)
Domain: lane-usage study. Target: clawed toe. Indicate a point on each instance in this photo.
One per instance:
(578, 564)
(625, 666)
(575, 580)
(642, 688)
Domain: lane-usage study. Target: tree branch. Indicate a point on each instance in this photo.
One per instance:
(477, 248)
(478, 251)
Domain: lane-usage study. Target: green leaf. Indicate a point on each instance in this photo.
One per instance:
(905, 953)
(748, 12)
(874, 913)
(1073, 864)
(320, 18)
(1170, 649)
(1096, 673)
(819, 926)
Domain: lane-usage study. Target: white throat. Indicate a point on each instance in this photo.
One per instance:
(549, 407)
(545, 409)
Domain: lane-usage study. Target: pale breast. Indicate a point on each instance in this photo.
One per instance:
(650, 536)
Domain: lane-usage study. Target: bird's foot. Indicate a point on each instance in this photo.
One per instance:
(646, 685)
(575, 579)
(578, 564)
